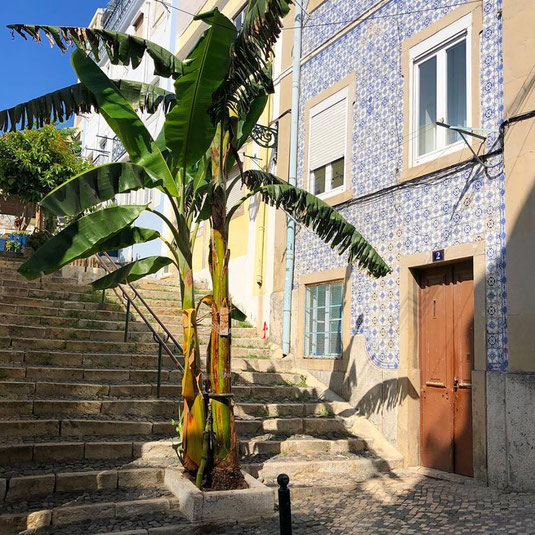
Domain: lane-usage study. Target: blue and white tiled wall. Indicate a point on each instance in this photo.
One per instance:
(462, 207)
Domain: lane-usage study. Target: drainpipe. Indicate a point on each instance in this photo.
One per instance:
(292, 179)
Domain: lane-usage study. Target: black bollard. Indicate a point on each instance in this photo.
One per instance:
(285, 507)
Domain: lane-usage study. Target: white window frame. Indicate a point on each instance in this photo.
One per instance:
(343, 94)
(327, 322)
(436, 45)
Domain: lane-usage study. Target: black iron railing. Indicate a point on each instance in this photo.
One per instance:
(162, 339)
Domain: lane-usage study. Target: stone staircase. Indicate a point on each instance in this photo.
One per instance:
(84, 441)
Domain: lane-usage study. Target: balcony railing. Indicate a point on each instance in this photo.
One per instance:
(117, 150)
(115, 12)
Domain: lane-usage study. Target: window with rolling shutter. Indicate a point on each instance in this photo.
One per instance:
(327, 144)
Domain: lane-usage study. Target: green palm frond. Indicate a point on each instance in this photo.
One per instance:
(319, 217)
(121, 48)
(59, 106)
(250, 68)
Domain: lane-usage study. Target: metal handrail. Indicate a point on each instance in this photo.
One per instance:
(130, 303)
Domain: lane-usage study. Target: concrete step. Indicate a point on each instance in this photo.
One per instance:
(32, 311)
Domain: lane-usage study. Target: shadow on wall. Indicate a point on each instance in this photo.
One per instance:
(386, 395)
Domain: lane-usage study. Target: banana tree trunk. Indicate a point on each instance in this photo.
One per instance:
(226, 472)
(194, 416)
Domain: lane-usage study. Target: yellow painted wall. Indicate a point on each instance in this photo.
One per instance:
(519, 88)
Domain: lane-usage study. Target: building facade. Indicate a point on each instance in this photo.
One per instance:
(439, 353)
(426, 352)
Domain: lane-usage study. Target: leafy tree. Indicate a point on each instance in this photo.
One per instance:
(219, 94)
(34, 162)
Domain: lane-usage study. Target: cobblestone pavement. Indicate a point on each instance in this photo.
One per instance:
(404, 504)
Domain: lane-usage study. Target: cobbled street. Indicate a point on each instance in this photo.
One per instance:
(405, 504)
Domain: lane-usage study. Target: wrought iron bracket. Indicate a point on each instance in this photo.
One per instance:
(265, 136)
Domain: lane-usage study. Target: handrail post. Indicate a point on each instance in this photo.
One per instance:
(127, 320)
(285, 508)
(159, 378)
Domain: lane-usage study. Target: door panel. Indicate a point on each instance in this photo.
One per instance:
(436, 372)
(446, 316)
(463, 331)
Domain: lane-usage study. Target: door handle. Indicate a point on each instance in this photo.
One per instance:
(455, 384)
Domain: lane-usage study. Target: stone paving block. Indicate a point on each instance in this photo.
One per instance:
(130, 390)
(38, 519)
(54, 373)
(66, 451)
(142, 507)
(3, 488)
(108, 450)
(14, 389)
(16, 453)
(71, 389)
(106, 427)
(30, 487)
(22, 428)
(16, 522)
(141, 477)
(163, 428)
(12, 408)
(66, 407)
(70, 515)
(82, 481)
(106, 375)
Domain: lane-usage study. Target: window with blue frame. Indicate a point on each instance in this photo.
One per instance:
(324, 320)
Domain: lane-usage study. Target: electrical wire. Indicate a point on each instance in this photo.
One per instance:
(340, 22)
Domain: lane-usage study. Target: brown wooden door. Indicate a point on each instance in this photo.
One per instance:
(446, 319)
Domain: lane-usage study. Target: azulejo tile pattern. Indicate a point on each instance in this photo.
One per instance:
(447, 209)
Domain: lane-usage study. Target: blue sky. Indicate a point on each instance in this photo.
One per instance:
(29, 69)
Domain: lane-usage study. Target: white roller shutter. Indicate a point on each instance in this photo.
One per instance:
(236, 193)
(328, 131)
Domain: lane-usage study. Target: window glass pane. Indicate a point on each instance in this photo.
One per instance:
(321, 292)
(427, 106)
(337, 179)
(318, 178)
(320, 345)
(336, 294)
(456, 61)
(336, 343)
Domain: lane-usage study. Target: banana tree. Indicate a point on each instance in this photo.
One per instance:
(219, 94)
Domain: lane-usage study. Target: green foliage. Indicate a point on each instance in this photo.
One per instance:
(59, 106)
(34, 162)
(121, 48)
(85, 237)
(132, 272)
(188, 127)
(96, 186)
(318, 216)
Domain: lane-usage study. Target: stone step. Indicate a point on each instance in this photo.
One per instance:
(32, 311)
(114, 448)
(33, 454)
(162, 407)
(67, 509)
(31, 390)
(72, 333)
(12, 278)
(77, 346)
(79, 476)
(308, 470)
(57, 427)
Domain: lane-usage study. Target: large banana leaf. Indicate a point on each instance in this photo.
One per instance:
(95, 186)
(61, 105)
(123, 120)
(318, 216)
(255, 112)
(250, 73)
(124, 238)
(189, 129)
(121, 48)
(132, 272)
(79, 239)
